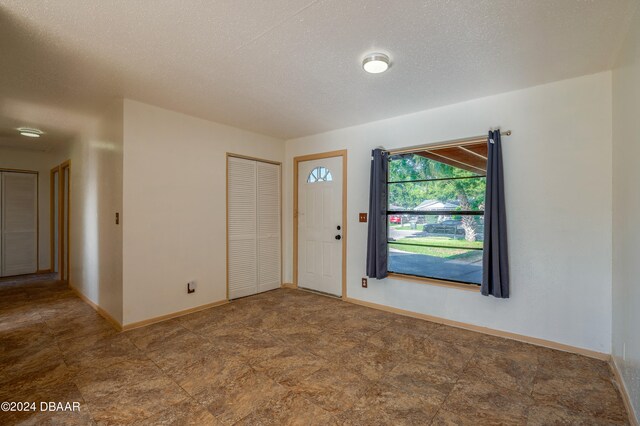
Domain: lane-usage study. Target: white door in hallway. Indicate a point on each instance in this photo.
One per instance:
(320, 225)
(18, 223)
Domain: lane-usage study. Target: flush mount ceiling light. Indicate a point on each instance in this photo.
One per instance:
(30, 133)
(375, 63)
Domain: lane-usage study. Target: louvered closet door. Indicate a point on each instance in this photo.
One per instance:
(19, 223)
(242, 223)
(269, 260)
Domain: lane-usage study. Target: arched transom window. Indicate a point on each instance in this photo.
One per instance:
(319, 174)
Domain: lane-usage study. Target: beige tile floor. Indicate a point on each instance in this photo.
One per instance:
(283, 357)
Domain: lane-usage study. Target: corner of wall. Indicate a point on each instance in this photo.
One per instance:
(625, 201)
(96, 194)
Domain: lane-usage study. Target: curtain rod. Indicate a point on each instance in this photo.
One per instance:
(445, 144)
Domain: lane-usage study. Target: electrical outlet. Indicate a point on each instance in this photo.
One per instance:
(191, 287)
(362, 217)
(364, 283)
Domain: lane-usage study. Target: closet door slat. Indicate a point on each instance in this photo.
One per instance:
(242, 227)
(269, 224)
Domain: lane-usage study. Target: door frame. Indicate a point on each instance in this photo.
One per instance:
(52, 222)
(296, 160)
(60, 170)
(226, 192)
(37, 173)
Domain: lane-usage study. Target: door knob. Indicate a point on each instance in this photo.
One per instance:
(338, 237)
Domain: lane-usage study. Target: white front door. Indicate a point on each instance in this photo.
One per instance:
(320, 225)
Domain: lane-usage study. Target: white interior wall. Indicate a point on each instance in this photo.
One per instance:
(174, 200)
(96, 194)
(42, 162)
(626, 204)
(558, 190)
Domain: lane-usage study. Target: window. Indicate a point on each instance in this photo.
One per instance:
(319, 174)
(435, 215)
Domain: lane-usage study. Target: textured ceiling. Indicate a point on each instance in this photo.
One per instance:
(288, 68)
